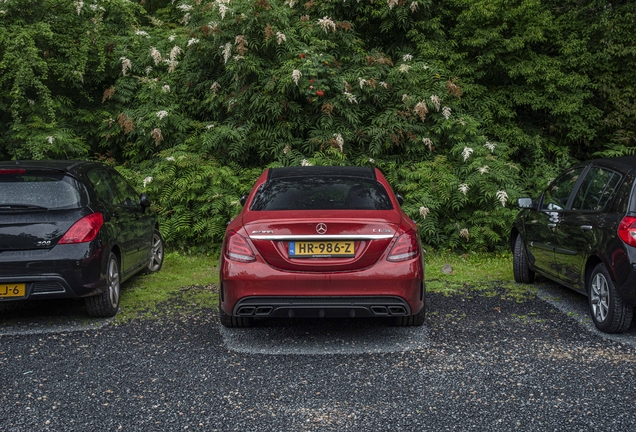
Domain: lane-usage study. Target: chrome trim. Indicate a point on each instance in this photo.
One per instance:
(323, 237)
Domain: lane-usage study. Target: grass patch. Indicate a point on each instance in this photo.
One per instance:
(488, 274)
(188, 282)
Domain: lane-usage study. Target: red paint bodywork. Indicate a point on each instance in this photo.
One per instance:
(368, 273)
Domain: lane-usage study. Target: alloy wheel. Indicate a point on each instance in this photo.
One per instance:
(599, 297)
(113, 283)
(156, 258)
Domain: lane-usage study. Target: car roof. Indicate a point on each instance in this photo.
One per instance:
(332, 171)
(622, 163)
(62, 165)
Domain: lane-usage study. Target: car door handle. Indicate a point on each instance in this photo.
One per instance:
(586, 227)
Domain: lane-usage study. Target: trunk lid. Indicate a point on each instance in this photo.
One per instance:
(323, 241)
(34, 229)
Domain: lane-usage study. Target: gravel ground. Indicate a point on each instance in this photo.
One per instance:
(479, 363)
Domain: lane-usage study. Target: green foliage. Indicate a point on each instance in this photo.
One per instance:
(464, 105)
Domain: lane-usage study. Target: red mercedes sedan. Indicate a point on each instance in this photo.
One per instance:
(319, 242)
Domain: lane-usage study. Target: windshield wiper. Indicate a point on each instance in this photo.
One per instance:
(16, 206)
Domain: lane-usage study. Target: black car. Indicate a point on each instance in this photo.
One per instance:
(73, 229)
(581, 232)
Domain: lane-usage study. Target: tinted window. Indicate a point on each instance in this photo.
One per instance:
(126, 194)
(51, 191)
(557, 194)
(321, 193)
(103, 186)
(596, 189)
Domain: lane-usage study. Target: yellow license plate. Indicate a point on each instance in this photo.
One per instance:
(12, 290)
(321, 249)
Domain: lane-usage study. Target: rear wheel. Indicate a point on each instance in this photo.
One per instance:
(106, 304)
(609, 312)
(415, 320)
(233, 321)
(521, 270)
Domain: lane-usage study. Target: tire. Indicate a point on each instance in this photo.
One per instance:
(233, 321)
(609, 312)
(416, 320)
(520, 266)
(106, 304)
(156, 254)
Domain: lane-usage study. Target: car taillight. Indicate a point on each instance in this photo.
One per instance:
(12, 171)
(238, 249)
(84, 230)
(627, 230)
(404, 248)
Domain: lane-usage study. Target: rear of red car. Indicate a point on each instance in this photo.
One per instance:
(321, 242)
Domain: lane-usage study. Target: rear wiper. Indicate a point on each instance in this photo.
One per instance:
(12, 206)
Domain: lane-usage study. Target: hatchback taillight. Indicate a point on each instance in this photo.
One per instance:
(84, 230)
(238, 249)
(627, 230)
(404, 248)
(12, 171)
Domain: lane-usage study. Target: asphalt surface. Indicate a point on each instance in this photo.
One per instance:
(479, 363)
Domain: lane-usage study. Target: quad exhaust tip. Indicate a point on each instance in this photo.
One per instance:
(263, 311)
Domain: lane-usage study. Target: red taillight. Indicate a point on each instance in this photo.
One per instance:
(238, 249)
(12, 171)
(404, 248)
(84, 230)
(627, 230)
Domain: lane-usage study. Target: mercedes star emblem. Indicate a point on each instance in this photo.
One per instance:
(321, 228)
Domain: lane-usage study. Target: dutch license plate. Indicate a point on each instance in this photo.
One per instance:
(321, 249)
(12, 290)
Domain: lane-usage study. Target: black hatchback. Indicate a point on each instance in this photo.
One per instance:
(73, 229)
(581, 232)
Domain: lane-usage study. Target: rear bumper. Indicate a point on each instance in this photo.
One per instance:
(64, 271)
(384, 289)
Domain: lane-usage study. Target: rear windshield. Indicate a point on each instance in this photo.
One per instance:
(49, 191)
(321, 193)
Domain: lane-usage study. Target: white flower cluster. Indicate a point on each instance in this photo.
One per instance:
(466, 153)
(184, 7)
(404, 68)
(362, 82)
(286, 149)
(166, 88)
(436, 101)
(483, 170)
(156, 55)
(172, 37)
(446, 112)
(463, 188)
(371, 160)
(147, 180)
(296, 74)
(280, 38)
(502, 196)
(350, 97)
(161, 114)
(305, 162)
(339, 141)
(193, 41)
(126, 65)
(405, 98)
(490, 146)
(407, 57)
(50, 139)
(79, 4)
(222, 4)
(424, 211)
(290, 3)
(142, 33)
(393, 3)
(327, 24)
(215, 87)
(227, 51)
(413, 6)
(464, 233)
(428, 143)
(170, 158)
(383, 84)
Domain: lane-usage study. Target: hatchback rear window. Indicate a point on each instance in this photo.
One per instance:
(41, 190)
(321, 193)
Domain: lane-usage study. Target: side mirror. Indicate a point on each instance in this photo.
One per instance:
(526, 203)
(243, 199)
(400, 199)
(144, 201)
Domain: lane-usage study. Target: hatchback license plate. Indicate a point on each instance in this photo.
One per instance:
(322, 249)
(12, 290)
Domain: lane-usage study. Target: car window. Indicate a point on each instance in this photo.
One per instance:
(321, 193)
(103, 185)
(556, 195)
(47, 190)
(596, 189)
(126, 194)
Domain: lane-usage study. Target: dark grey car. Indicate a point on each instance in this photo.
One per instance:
(581, 232)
